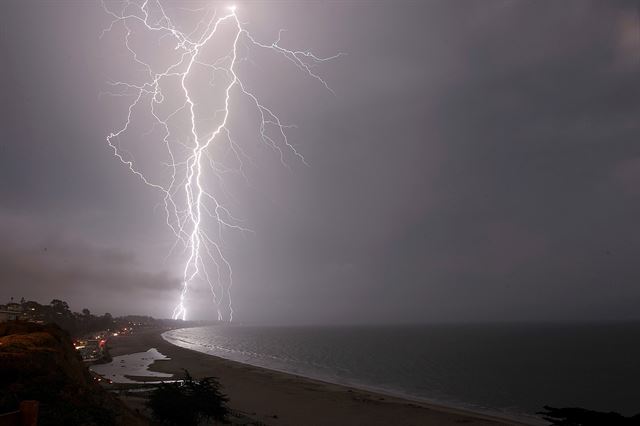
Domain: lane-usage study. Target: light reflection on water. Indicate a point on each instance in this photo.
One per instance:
(136, 364)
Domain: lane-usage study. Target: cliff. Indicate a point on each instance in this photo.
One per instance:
(39, 362)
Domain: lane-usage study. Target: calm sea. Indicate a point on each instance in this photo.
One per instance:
(512, 369)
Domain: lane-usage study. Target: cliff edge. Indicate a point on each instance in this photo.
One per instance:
(39, 362)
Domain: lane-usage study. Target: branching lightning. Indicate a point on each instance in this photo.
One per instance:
(188, 202)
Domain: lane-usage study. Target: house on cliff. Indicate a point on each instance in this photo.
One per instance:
(10, 312)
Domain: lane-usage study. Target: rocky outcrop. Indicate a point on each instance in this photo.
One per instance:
(39, 362)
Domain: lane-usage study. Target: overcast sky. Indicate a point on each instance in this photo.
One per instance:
(480, 161)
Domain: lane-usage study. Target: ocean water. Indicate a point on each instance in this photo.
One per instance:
(494, 368)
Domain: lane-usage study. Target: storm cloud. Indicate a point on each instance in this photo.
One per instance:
(480, 161)
(41, 264)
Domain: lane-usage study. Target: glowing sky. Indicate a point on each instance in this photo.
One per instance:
(480, 161)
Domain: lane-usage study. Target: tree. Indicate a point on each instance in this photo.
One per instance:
(574, 416)
(60, 307)
(105, 322)
(188, 402)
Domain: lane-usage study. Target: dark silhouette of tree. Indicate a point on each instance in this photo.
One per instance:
(60, 307)
(189, 402)
(581, 417)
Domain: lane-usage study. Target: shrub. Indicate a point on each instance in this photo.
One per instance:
(188, 402)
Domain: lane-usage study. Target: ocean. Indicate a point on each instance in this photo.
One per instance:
(492, 368)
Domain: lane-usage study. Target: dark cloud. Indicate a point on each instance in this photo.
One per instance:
(479, 162)
(45, 267)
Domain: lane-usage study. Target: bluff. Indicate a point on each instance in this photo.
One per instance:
(39, 362)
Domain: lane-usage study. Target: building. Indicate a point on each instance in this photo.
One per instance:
(10, 312)
(90, 349)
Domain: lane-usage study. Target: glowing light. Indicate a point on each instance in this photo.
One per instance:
(188, 202)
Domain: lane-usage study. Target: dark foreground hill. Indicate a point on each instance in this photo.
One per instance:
(39, 362)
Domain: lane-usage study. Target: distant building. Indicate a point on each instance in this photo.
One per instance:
(14, 307)
(9, 315)
(10, 312)
(91, 349)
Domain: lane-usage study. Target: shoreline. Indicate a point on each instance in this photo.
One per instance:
(279, 398)
(385, 393)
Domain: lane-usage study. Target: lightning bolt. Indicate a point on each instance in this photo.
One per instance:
(187, 201)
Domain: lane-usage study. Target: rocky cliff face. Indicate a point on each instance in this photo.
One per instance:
(39, 362)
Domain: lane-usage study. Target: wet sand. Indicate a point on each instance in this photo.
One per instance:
(276, 398)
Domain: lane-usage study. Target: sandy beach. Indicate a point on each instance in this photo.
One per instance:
(276, 398)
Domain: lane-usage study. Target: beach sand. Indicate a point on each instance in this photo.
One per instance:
(276, 398)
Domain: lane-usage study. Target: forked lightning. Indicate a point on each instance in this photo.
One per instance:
(188, 203)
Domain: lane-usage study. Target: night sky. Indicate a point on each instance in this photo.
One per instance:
(480, 161)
